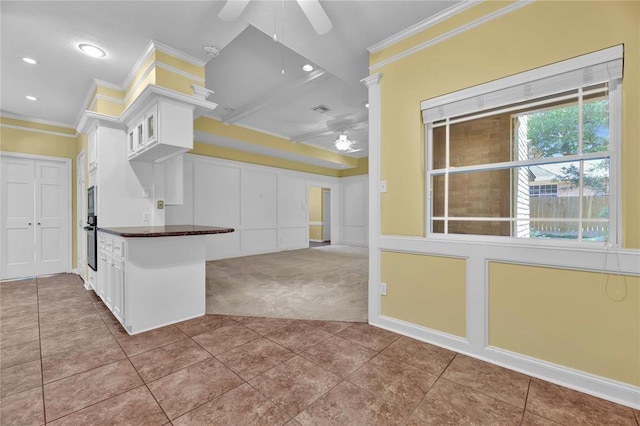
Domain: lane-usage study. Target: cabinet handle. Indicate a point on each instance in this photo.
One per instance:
(39, 223)
(29, 224)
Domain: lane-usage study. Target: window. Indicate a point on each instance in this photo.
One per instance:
(535, 159)
(543, 191)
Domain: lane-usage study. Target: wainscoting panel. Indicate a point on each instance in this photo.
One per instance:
(266, 206)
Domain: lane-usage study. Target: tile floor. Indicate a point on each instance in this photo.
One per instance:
(66, 361)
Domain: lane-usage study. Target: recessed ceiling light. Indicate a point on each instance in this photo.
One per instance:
(91, 50)
(31, 98)
(30, 61)
(307, 67)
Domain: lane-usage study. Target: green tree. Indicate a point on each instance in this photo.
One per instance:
(554, 133)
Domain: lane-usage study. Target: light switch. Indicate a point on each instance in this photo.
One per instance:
(383, 186)
(146, 217)
(160, 204)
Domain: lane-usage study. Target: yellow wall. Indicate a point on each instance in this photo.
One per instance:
(33, 142)
(230, 131)
(425, 290)
(208, 150)
(507, 45)
(315, 212)
(556, 315)
(361, 169)
(584, 320)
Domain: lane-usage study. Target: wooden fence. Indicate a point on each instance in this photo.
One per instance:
(593, 207)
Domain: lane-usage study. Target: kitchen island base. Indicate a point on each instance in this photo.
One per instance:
(152, 279)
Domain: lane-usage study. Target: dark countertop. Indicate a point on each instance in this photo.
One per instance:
(164, 231)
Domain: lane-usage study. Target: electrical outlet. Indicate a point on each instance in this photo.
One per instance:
(160, 204)
(383, 289)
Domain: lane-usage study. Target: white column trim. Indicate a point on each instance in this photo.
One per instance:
(373, 84)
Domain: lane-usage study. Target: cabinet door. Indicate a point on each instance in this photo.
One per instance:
(103, 275)
(118, 289)
(108, 288)
(140, 138)
(132, 141)
(151, 126)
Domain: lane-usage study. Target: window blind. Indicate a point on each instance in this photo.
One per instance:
(583, 71)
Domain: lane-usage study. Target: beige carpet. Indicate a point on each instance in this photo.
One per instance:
(321, 283)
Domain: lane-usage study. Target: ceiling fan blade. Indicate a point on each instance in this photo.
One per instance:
(232, 10)
(316, 16)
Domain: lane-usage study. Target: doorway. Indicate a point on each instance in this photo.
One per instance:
(35, 215)
(319, 202)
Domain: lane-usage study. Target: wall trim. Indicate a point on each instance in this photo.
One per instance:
(164, 48)
(423, 25)
(148, 51)
(449, 34)
(600, 259)
(31, 129)
(178, 71)
(36, 120)
(601, 387)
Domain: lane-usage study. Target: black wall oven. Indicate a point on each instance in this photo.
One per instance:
(92, 228)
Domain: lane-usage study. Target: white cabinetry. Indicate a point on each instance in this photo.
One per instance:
(111, 270)
(163, 130)
(92, 142)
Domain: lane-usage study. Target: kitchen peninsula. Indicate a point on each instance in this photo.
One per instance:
(152, 276)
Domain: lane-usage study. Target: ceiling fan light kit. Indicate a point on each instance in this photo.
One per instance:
(342, 143)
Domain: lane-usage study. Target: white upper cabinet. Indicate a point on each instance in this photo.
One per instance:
(162, 131)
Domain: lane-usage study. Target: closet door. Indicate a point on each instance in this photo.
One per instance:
(34, 217)
(52, 217)
(17, 216)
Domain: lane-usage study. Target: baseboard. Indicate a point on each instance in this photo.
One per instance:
(601, 387)
(316, 241)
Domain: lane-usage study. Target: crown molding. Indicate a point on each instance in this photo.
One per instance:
(35, 130)
(178, 54)
(89, 117)
(135, 69)
(161, 47)
(372, 80)
(507, 9)
(36, 120)
(108, 85)
(423, 25)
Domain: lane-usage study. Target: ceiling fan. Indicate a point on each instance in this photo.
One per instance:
(312, 9)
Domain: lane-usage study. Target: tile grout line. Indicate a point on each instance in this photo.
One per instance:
(136, 370)
(44, 409)
(526, 399)
(432, 385)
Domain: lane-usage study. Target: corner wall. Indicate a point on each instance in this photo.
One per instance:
(511, 290)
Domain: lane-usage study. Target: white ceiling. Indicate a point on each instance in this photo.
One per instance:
(246, 76)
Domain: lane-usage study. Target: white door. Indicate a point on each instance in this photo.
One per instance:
(326, 214)
(35, 217)
(52, 217)
(81, 214)
(17, 216)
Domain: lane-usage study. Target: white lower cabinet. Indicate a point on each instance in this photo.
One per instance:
(111, 270)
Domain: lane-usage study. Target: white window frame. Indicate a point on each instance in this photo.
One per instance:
(604, 66)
